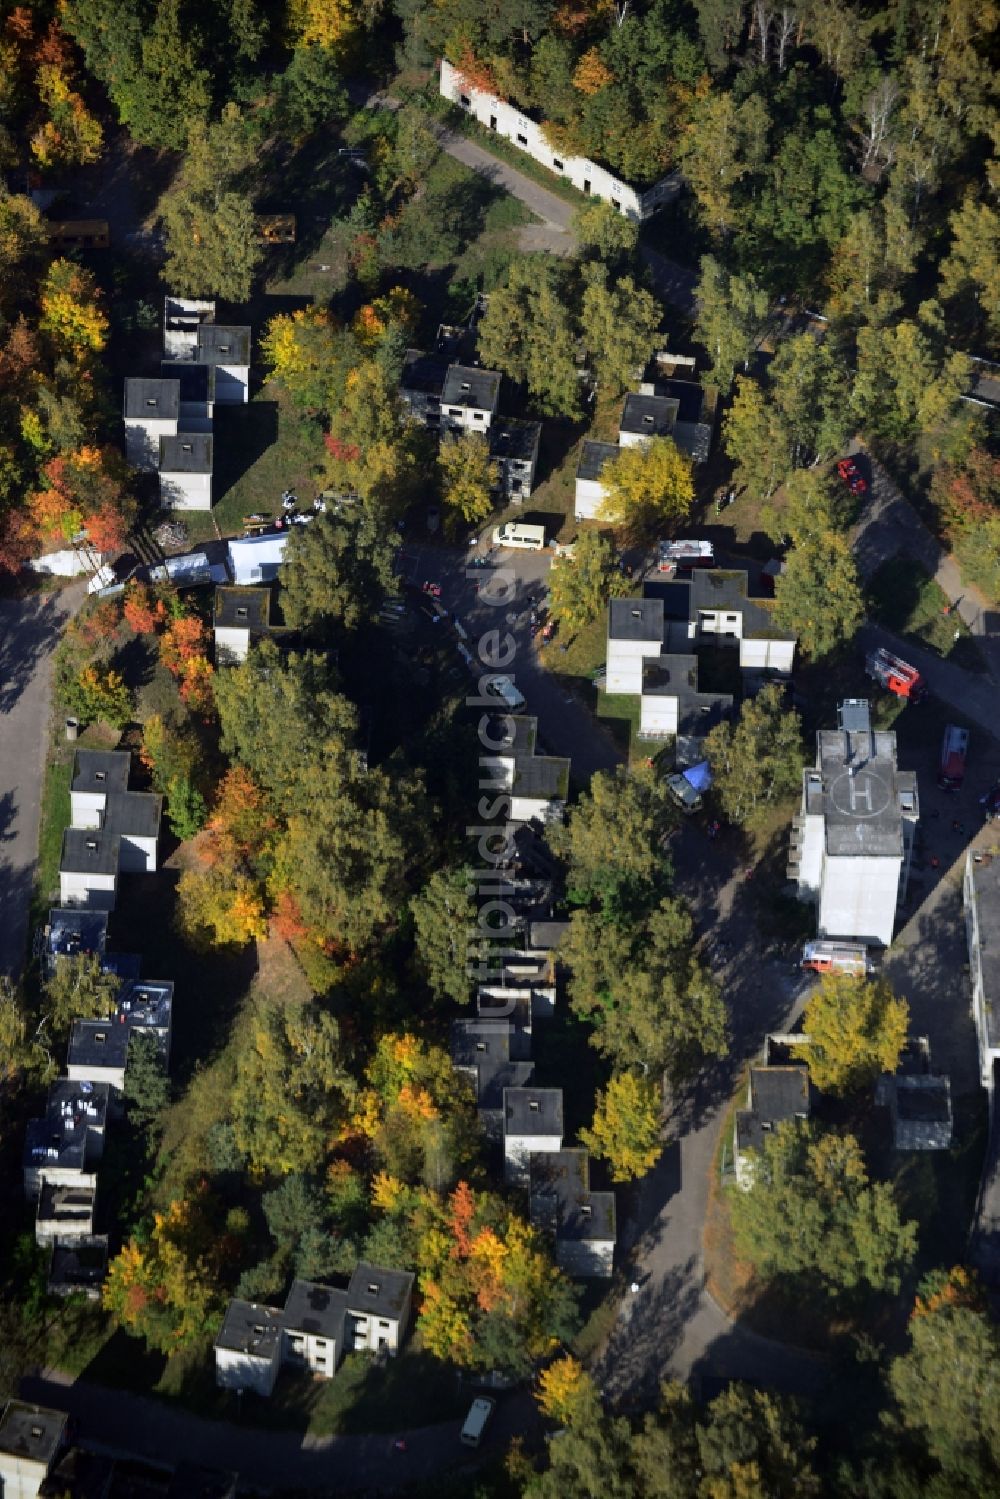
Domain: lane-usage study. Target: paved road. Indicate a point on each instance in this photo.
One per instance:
(972, 696)
(30, 630)
(123, 1423)
(889, 525)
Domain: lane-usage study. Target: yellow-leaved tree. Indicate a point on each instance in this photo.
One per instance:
(467, 479)
(71, 313)
(626, 1131)
(163, 1290)
(857, 1028)
(219, 908)
(334, 24)
(649, 488)
(566, 1393)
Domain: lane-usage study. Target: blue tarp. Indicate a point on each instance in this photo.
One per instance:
(699, 776)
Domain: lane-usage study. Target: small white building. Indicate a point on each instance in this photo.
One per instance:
(469, 398)
(65, 1212)
(591, 493)
(152, 410)
(649, 655)
(100, 800)
(31, 1438)
(774, 1095)
(852, 841)
(257, 559)
(182, 317)
(227, 350)
(98, 1053)
(248, 1347)
(645, 417)
(721, 608)
(981, 898)
(514, 449)
(68, 562)
(66, 1145)
(532, 1123)
(378, 1308)
(481, 1051)
(580, 1222)
(88, 869)
(529, 136)
(242, 615)
(538, 785)
(186, 471)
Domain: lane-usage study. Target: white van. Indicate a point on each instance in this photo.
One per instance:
(476, 1422)
(504, 689)
(514, 533)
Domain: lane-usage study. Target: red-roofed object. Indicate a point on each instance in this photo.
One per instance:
(895, 675)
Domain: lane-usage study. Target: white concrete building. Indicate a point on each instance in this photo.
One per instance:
(242, 615)
(68, 562)
(100, 800)
(649, 655)
(529, 136)
(645, 417)
(182, 317)
(581, 1222)
(227, 350)
(249, 1346)
(378, 1308)
(852, 841)
(152, 410)
(31, 1438)
(538, 785)
(66, 1145)
(186, 471)
(532, 1124)
(469, 398)
(590, 492)
(88, 869)
(257, 559)
(720, 607)
(65, 1212)
(484, 1052)
(196, 400)
(774, 1095)
(981, 896)
(514, 449)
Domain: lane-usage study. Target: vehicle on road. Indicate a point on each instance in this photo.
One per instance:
(836, 957)
(676, 556)
(515, 533)
(686, 796)
(954, 749)
(990, 803)
(895, 675)
(503, 688)
(851, 475)
(476, 1422)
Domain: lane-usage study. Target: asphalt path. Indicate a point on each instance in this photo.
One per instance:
(30, 629)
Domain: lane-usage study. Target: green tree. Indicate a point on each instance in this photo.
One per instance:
(626, 1130)
(147, 1086)
(468, 476)
(722, 144)
(310, 93)
(185, 807)
(620, 325)
(857, 1028)
(758, 759)
(336, 572)
(970, 273)
(903, 387)
(529, 332)
(581, 585)
(732, 315)
(612, 840)
(811, 505)
(757, 439)
(444, 922)
(17, 1052)
(291, 1090)
(810, 389)
(77, 989)
(649, 488)
(605, 234)
(818, 596)
(812, 1213)
(172, 90)
(946, 1387)
(751, 1445)
(374, 452)
(310, 356)
(207, 212)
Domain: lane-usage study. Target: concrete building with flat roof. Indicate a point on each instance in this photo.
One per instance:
(538, 785)
(481, 1050)
(591, 491)
(31, 1437)
(853, 838)
(644, 417)
(226, 348)
(79, 1268)
(242, 616)
(152, 410)
(774, 1095)
(68, 1142)
(981, 897)
(469, 398)
(186, 471)
(64, 1213)
(581, 1222)
(532, 1123)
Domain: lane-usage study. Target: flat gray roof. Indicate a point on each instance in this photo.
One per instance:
(547, 934)
(98, 1043)
(649, 416)
(89, 851)
(423, 373)
(31, 1431)
(79, 1266)
(155, 400)
(636, 619)
(73, 930)
(729, 589)
(533, 1111)
(104, 771)
(561, 1200)
(134, 812)
(485, 1045)
(221, 343)
(187, 453)
(779, 1092)
(60, 1140)
(857, 789)
(319, 1310)
(516, 440)
(985, 877)
(467, 385)
(375, 1291)
(251, 1329)
(924, 1098)
(247, 608)
(593, 457)
(71, 1205)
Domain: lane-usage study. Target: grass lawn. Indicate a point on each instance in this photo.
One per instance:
(620, 712)
(585, 651)
(905, 598)
(55, 814)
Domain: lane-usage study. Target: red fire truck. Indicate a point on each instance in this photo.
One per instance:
(894, 675)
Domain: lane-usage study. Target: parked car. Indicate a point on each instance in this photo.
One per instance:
(683, 793)
(954, 749)
(851, 475)
(503, 688)
(479, 1417)
(514, 533)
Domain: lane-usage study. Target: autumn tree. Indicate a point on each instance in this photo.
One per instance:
(529, 333)
(758, 759)
(468, 477)
(71, 314)
(331, 24)
(418, 1113)
(903, 386)
(291, 1093)
(812, 1216)
(19, 1051)
(620, 324)
(336, 572)
(217, 907)
(612, 839)
(722, 144)
(444, 922)
(208, 213)
(99, 695)
(369, 449)
(970, 273)
(581, 585)
(162, 1288)
(309, 355)
(649, 488)
(626, 1130)
(604, 233)
(566, 1392)
(732, 315)
(70, 135)
(857, 1028)
(817, 596)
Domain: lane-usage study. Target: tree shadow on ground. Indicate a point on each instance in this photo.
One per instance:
(243, 435)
